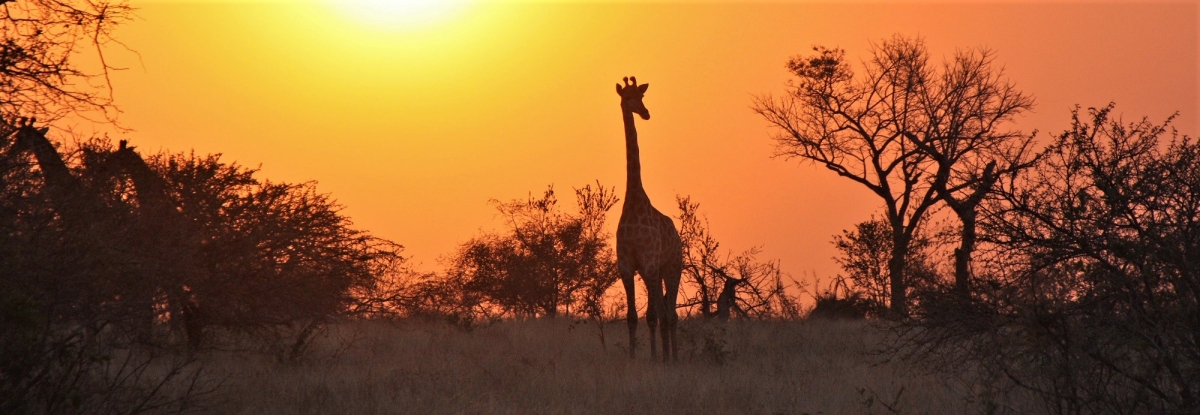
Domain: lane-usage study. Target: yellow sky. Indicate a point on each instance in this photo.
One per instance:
(413, 129)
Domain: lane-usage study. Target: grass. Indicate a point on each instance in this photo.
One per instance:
(557, 367)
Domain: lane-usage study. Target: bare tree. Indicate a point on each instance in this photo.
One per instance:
(41, 40)
(966, 111)
(857, 128)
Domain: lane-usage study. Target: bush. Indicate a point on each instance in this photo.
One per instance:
(1091, 299)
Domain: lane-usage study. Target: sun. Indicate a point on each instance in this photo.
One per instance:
(400, 14)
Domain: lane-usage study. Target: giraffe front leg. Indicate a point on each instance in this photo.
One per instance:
(631, 316)
(671, 316)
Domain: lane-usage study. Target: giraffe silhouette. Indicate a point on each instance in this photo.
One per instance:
(647, 241)
(169, 242)
(60, 185)
(85, 216)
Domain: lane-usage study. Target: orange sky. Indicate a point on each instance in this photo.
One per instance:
(413, 129)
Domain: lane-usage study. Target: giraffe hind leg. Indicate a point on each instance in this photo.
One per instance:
(671, 315)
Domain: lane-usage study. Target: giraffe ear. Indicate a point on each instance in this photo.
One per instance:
(618, 89)
(643, 87)
(43, 130)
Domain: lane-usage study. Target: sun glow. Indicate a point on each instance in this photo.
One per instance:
(401, 14)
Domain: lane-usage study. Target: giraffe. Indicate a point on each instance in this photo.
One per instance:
(83, 214)
(647, 241)
(727, 300)
(82, 211)
(171, 243)
(151, 189)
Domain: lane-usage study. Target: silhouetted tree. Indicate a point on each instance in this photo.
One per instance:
(912, 133)
(857, 128)
(278, 257)
(1091, 299)
(40, 42)
(864, 254)
(963, 130)
(1106, 226)
(76, 309)
(73, 309)
(546, 262)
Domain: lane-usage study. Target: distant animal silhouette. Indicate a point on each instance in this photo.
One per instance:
(162, 251)
(170, 242)
(80, 208)
(60, 185)
(647, 240)
(727, 300)
(151, 189)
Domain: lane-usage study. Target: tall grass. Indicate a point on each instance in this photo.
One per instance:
(559, 367)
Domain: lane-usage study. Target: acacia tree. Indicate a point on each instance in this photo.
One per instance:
(856, 126)
(546, 262)
(278, 259)
(65, 291)
(1093, 294)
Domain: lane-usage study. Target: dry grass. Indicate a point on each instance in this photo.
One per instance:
(553, 366)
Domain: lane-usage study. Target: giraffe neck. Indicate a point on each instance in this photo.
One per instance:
(51, 163)
(151, 190)
(633, 162)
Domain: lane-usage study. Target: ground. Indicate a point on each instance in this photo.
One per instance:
(563, 367)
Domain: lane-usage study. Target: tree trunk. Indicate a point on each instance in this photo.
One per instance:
(896, 266)
(962, 255)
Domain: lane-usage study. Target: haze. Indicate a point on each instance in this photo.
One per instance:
(414, 129)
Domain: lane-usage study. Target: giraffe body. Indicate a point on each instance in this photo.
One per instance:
(648, 243)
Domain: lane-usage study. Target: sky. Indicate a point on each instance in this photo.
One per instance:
(415, 123)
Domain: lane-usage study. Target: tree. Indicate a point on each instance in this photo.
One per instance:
(547, 262)
(965, 110)
(864, 254)
(279, 259)
(1092, 294)
(40, 43)
(1100, 239)
(76, 307)
(858, 127)
(72, 306)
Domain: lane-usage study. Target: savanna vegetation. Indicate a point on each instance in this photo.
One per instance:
(1006, 273)
(1071, 271)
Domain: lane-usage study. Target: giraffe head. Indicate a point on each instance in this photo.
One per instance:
(22, 131)
(124, 148)
(631, 97)
(25, 126)
(125, 153)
